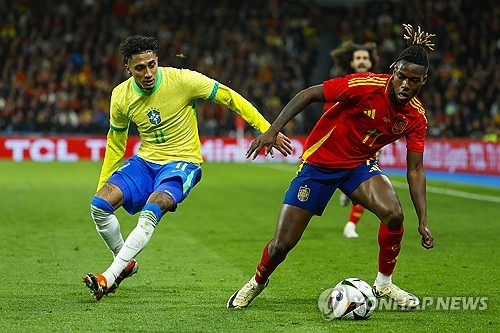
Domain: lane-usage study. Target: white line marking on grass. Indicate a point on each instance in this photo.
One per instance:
(453, 193)
(431, 189)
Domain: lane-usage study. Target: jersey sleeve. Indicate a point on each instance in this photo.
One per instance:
(116, 141)
(415, 140)
(336, 90)
(234, 101)
(196, 85)
(353, 87)
(115, 149)
(118, 120)
(201, 86)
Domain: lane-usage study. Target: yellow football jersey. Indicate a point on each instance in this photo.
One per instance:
(166, 117)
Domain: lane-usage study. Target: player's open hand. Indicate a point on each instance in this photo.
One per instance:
(269, 140)
(427, 239)
(283, 144)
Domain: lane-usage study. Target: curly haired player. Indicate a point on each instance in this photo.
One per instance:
(161, 101)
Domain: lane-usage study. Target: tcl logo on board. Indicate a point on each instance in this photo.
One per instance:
(470, 156)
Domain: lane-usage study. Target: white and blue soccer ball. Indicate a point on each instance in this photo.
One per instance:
(351, 299)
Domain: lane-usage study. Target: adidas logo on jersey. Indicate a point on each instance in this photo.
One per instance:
(370, 113)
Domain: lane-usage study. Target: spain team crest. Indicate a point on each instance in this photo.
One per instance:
(303, 193)
(154, 117)
(400, 125)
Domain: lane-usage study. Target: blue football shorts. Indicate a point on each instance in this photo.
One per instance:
(313, 187)
(138, 178)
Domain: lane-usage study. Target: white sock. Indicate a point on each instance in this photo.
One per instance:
(351, 225)
(108, 227)
(382, 279)
(134, 244)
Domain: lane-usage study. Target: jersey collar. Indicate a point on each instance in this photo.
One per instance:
(155, 88)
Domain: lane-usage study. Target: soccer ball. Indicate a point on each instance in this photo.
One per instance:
(350, 299)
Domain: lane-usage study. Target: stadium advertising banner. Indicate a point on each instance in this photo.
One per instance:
(440, 155)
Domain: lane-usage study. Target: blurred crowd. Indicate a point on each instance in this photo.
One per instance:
(60, 61)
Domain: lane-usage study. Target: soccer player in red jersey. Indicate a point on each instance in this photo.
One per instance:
(370, 111)
(351, 58)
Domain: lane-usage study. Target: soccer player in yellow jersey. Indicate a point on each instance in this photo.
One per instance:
(161, 101)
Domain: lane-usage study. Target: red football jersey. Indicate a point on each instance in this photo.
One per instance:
(361, 121)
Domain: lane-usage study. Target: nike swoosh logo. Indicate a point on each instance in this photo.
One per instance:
(124, 166)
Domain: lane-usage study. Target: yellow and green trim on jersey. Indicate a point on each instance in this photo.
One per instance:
(166, 117)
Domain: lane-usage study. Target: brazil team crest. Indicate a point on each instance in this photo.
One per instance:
(303, 193)
(154, 117)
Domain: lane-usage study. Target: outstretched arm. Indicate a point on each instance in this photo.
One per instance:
(249, 113)
(296, 105)
(416, 181)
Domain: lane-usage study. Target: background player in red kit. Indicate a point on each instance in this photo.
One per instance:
(351, 58)
(370, 111)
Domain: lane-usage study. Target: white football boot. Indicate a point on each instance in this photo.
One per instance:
(350, 230)
(402, 298)
(243, 297)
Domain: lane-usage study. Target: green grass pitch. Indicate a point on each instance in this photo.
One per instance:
(210, 247)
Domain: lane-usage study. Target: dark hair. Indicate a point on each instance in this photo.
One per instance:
(137, 44)
(343, 54)
(418, 41)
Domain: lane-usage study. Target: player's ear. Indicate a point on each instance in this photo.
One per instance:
(127, 68)
(424, 81)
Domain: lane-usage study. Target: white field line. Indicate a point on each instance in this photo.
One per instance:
(453, 193)
(401, 185)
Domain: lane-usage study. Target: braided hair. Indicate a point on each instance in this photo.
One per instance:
(138, 44)
(418, 41)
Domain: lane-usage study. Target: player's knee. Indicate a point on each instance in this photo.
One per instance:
(278, 249)
(151, 215)
(394, 220)
(165, 201)
(100, 210)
